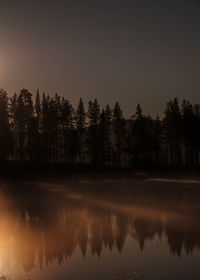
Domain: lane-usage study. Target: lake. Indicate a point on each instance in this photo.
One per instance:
(100, 229)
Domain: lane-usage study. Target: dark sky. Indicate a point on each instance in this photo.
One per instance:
(131, 51)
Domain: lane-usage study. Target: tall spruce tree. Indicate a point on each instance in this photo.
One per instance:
(70, 144)
(93, 115)
(13, 126)
(188, 131)
(5, 136)
(196, 139)
(102, 142)
(105, 137)
(172, 123)
(119, 133)
(45, 128)
(81, 127)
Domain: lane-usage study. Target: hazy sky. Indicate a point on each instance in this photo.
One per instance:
(131, 51)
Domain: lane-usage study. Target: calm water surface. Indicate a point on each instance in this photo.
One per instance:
(100, 229)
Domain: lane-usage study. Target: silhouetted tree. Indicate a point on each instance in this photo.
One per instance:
(22, 115)
(37, 133)
(141, 137)
(5, 135)
(81, 126)
(93, 115)
(107, 136)
(172, 123)
(105, 127)
(70, 133)
(119, 132)
(157, 140)
(45, 128)
(196, 138)
(13, 125)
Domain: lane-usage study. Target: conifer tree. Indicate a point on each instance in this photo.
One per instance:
(172, 123)
(81, 125)
(93, 131)
(5, 138)
(119, 132)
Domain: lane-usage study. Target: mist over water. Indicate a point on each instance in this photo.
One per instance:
(100, 229)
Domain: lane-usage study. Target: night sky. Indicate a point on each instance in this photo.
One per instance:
(131, 51)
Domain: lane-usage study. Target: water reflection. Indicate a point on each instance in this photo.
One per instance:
(49, 222)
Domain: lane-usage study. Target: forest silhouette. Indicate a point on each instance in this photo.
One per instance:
(48, 130)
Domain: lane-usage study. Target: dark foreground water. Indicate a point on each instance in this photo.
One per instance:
(100, 229)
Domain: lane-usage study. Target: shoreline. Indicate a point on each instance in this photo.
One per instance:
(21, 172)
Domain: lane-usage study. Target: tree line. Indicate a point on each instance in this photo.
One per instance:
(48, 130)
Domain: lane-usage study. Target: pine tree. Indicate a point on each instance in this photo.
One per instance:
(45, 128)
(93, 131)
(119, 132)
(5, 139)
(172, 123)
(29, 124)
(102, 132)
(108, 143)
(37, 106)
(20, 128)
(70, 145)
(81, 125)
(13, 126)
(138, 113)
(36, 133)
(105, 136)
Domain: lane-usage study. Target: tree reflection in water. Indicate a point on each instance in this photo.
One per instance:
(49, 222)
